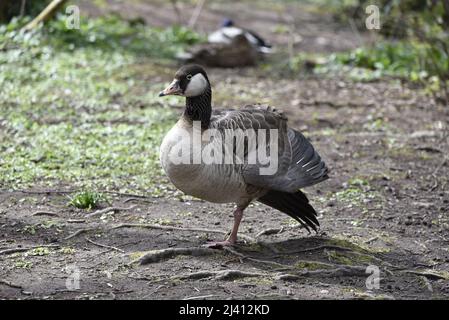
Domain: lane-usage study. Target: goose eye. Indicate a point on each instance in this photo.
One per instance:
(189, 76)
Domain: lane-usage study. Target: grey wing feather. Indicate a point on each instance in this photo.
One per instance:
(306, 168)
(299, 165)
(256, 117)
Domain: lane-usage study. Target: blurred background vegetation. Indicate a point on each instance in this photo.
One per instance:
(412, 43)
(415, 42)
(13, 8)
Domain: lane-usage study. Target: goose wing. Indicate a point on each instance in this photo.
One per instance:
(298, 164)
(306, 167)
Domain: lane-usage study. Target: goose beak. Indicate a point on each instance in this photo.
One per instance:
(172, 89)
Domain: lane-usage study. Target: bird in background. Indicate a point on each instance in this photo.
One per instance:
(228, 31)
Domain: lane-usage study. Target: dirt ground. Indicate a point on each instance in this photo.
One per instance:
(385, 206)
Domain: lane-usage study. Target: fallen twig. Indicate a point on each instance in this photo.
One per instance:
(270, 231)
(104, 245)
(44, 213)
(427, 274)
(45, 191)
(14, 250)
(245, 257)
(77, 233)
(227, 275)
(287, 277)
(171, 228)
(124, 194)
(340, 271)
(197, 275)
(324, 246)
(10, 284)
(136, 199)
(109, 209)
(371, 240)
(76, 221)
(224, 275)
(156, 290)
(428, 149)
(200, 297)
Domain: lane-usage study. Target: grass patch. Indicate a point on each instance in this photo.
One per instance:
(339, 258)
(396, 59)
(22, 264)
(41, 251)
(350, 258)
(356, 245)
(46, 225)
(105, 33)
(67, 250)
(86, 200)
(80, 107)
(357, 192)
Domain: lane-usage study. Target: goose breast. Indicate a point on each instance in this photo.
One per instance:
(214, 182)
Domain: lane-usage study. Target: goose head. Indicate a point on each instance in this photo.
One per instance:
(190, 81)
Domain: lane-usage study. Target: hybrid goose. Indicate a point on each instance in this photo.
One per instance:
(201, 133)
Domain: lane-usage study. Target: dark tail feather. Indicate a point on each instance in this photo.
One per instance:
(296, 205)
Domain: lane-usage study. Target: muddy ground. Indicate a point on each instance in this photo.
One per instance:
(385, 206)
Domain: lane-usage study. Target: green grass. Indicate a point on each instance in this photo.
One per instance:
(357, 192)
(41, 251)
(407, 60)
(107, 33)
(86, 199)
(84, 114)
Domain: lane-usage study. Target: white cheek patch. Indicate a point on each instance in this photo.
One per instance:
(196, 86)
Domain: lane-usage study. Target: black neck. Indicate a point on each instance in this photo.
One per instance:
(199, 108)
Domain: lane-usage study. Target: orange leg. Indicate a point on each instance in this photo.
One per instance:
(238, 214)
(232, 239)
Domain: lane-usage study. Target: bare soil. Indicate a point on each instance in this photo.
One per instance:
(386, 204)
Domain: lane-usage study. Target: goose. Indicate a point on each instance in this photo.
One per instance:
(229, 31)
(237, 182)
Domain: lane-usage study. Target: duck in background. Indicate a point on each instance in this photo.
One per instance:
(229, 31)
(238, 53)
(228, 47)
